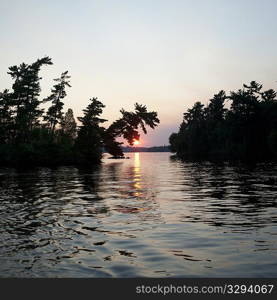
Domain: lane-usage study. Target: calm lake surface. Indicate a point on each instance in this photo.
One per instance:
(149, 215)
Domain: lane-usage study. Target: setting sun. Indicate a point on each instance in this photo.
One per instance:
(136, 142)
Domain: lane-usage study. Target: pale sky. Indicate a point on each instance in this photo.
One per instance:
(164, 54)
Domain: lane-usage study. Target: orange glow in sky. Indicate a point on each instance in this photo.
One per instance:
(136, 142)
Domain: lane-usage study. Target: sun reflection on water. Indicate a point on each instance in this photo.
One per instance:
(137, 175)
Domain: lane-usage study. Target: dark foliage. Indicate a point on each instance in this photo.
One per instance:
(54, 114)
(246, 131)
(127, 127)
(29, 137)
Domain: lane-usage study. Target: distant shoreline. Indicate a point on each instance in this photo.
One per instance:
(146, 149)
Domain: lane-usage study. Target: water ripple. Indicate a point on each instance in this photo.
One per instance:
(147, 216)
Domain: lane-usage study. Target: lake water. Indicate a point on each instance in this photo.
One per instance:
(147, 216)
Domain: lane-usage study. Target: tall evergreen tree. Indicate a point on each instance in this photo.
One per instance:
(215, 128)
(69, 126)
(26, 90)
(6, 117)
(88, 146)
(54, 114)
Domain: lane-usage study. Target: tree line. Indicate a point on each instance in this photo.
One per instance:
(146, 149)
(239, 126)
(33, 135)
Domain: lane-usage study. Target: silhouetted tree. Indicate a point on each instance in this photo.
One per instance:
(6, 117)
(69, 126)
(54, 114)
(88, 145)
(173, 140)
(215, 127)
(193, 131)
(26, 90)
(127, 127)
